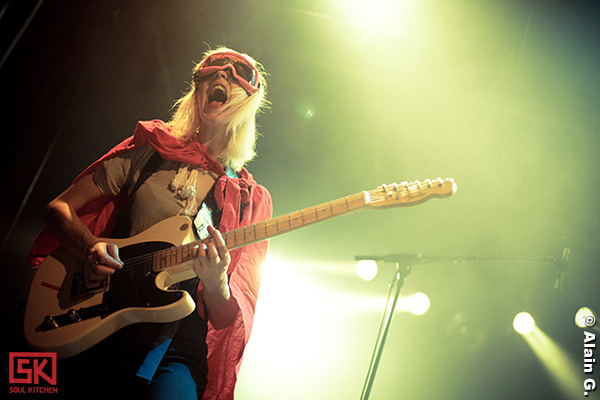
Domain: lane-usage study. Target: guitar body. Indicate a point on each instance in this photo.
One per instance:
(63, 316)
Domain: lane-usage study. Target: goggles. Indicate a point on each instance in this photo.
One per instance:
(241, 69)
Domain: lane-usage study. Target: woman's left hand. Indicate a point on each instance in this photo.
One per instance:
(211, 261)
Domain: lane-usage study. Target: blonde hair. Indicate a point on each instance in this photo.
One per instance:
(241, 130)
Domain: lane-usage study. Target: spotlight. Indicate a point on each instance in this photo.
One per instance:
(585, 318)
(552, 356)
(418, 303)
(523, 323)
(366, 269)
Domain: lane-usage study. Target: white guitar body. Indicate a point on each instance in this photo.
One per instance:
(51, 296)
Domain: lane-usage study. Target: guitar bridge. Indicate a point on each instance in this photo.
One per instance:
(79, 289)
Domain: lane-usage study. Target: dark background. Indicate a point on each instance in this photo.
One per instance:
(503, 96)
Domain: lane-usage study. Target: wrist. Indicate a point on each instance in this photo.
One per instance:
(217, 286)
(87, 243)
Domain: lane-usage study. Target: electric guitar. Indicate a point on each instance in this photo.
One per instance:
(64, 316)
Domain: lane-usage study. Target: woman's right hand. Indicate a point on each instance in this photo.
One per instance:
(103, 260)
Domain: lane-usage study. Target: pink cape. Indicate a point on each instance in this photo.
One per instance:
(225, 346)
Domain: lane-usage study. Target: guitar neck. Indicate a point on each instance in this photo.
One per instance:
(264, 230)
(385, 196)
(289, 222)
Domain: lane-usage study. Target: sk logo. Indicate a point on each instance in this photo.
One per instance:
(31, 368)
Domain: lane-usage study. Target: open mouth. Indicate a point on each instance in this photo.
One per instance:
(217, 96)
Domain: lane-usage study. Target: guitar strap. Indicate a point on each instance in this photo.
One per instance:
(123, 226)
(208, 214)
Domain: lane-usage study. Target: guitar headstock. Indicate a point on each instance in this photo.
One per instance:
(409, 193)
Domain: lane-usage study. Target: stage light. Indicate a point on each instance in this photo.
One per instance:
(299, 303)
(418, 303)
(523, 323)
(585, 318)
(366, 269)
(379, 17)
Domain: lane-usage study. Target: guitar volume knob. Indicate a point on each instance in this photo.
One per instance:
(49, 323)
(73, 315)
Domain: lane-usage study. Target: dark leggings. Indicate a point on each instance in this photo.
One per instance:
(175, 380)
(182, 371)
(109, 369)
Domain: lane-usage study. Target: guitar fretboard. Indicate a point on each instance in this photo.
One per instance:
(264, 230)
(384, 196)
(286, 223)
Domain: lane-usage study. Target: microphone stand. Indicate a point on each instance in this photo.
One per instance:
(404, 268)
(402, 271)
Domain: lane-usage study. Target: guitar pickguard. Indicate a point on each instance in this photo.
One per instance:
(65, 317)
(134, 285)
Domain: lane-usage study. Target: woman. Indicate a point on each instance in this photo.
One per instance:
(201, 153)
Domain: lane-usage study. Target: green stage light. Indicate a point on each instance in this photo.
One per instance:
(523, 323)
(585, 318)
(366, 269)
(418, 303)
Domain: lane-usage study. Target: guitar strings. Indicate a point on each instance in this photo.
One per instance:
(146, 261)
